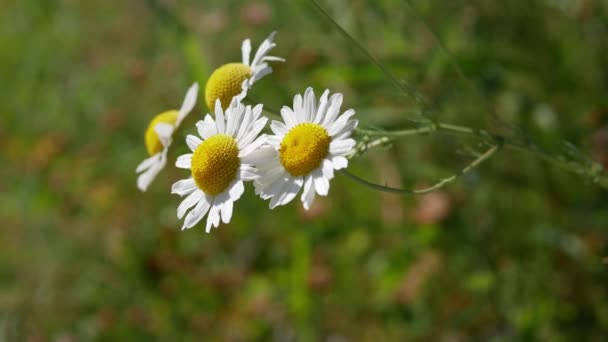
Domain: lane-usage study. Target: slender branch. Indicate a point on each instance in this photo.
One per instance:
(593, 171)
(441, 183)
(401, 85)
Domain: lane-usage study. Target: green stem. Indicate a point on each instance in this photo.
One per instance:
(593, 171)
(490, 152)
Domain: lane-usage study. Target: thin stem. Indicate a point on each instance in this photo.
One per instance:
(402, 86)
(441, 183)
(593, 171)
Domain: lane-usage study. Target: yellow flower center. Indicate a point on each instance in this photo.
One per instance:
(225, 83)
(153, 144)
(304, 148)
(215, 163)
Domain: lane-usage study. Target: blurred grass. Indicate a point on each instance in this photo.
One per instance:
(512, 252)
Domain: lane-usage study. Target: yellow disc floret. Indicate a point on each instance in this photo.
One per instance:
(153, 144)
(215, 163)
(304, 148)
(225, 83)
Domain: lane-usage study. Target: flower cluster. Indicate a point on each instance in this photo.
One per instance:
(302, 153)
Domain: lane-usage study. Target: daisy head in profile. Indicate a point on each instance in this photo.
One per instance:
(221, 160)
(235, 79)
(158, 139)
(312, 141)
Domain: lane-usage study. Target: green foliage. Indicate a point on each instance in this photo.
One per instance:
(511, 251)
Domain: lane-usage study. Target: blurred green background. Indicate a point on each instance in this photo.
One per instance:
(513, 251)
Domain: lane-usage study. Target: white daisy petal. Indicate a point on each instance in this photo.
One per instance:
(248, 173)
(206, 128)
(310, 105)
(278, 127)
(346, 131)
(184, 161)
(266, 45)
(147, 163)
(244, 127)
(144, 180)
(321, 183)
(308, 195)
(298, 109)
(197, 214)
(246, 51)
(334, 109)
(323, 104)
(164, 131)
(339, 124)
(236, 190)
(289, 117)
(258, 126)
(183, 187)
(188, 202)
(261, 156)
(272, 59)
(214, 216)
(193, 141)
(188, 104)
(294, 186)
(261, 73)
(226, 211)
(219, 117)
(278, 189)
(341, 147)
(274, 141)
(339, 162)
(254, 145)
(328, 169)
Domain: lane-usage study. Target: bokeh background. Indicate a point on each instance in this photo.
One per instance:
(512, 251)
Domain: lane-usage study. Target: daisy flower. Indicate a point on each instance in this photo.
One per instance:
(235, 79)
(305, 149)
(158, 139)
(219, 163)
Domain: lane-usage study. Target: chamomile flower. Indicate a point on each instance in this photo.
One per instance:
(219, 163)
(235, 79)
(305, 149)
(158, 139)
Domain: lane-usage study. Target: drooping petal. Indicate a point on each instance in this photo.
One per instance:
(226, 211)
(164, 131)
(196, 215)
(189, 202)
(214, 217)
(236, 190)
(146, 163)
(327, 167)
(321, 183)
(188, 104)
(308, 195)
